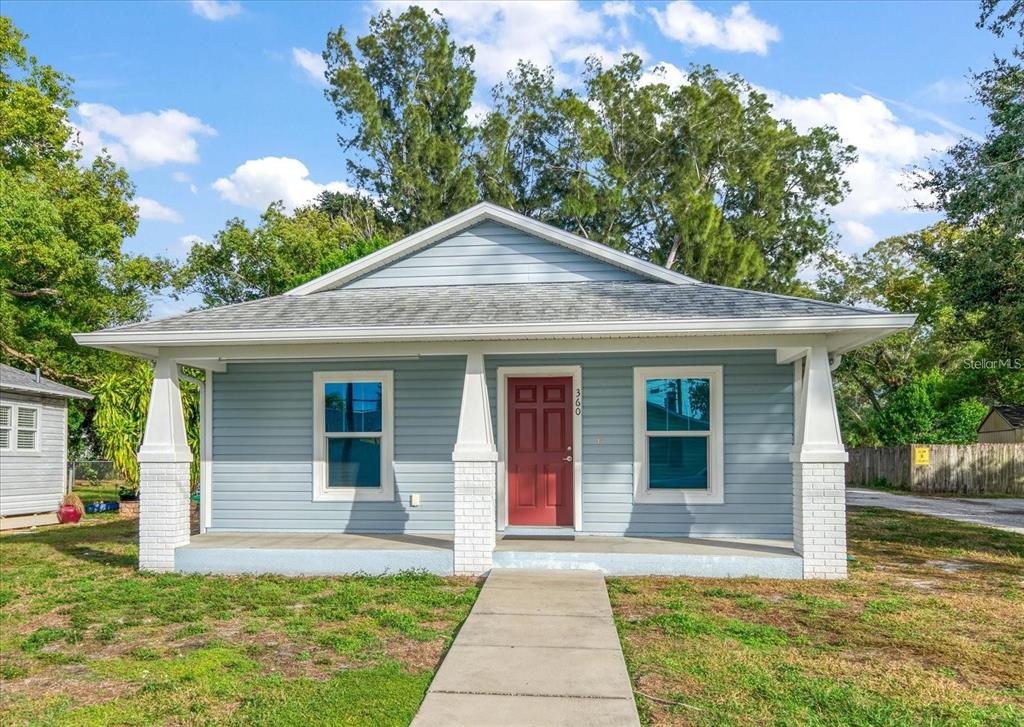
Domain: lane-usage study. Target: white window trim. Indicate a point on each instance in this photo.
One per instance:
(715, 494)
(11, 427)
(386, 491)
(506, 372)
(12, 441)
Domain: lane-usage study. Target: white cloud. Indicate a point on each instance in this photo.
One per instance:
(216, 9)
(858, 234)
(188, 241)
(311, 63)
(739, 31)
(671, 75)
(140, 140)
(886, 147)
(258, 182)
(150, 209)
(477, 112)
(560, 33)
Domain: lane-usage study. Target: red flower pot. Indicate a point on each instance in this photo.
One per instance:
(68, 514)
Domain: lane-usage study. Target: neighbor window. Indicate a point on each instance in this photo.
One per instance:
(678, 434)
(19, 427)
(353, 430)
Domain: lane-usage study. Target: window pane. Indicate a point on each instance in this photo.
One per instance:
(5, 416)
(26, 439)
(678, 405)
(26, 418)
(678, 463)
(353, 462)
(353, 406)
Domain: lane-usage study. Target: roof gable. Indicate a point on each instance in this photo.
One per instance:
(490, 253)
(535, 253)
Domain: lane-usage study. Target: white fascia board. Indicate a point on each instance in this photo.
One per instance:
(468, 218)
(871, 326)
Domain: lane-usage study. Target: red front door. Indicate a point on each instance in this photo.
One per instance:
(540, 451)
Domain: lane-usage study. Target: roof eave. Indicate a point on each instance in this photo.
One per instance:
(865, 327)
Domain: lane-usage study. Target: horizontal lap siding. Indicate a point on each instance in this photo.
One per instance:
(34, 482)
(758, 411)
(492, 253)
(263, 448)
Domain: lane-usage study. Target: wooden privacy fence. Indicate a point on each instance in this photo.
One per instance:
(966, 469)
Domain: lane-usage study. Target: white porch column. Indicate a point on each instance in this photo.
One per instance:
(819, 477)
(164, 460)
(475, 458)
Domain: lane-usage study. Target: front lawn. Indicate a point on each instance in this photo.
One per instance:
(928, 630)
(86, 640)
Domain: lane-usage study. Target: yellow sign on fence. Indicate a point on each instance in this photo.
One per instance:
(921, 457)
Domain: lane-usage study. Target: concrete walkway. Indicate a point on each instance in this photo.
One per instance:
(1004, 513)
(538, 648)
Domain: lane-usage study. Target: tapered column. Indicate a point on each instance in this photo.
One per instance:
(819, 481)
(164, 460)
(475, 458)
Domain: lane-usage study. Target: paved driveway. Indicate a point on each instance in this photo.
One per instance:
(1002, 513)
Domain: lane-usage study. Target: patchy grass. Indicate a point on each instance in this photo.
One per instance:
(87, 640)
(928, 630)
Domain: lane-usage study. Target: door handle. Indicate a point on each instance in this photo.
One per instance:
(567, 459)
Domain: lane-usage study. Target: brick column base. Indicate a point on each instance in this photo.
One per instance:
(475, 487)
(819, 518)
(163, 513)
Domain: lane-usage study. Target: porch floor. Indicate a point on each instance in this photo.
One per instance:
(315, 553)
(717, 558)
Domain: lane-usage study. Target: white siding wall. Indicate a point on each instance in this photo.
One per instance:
(32, 482)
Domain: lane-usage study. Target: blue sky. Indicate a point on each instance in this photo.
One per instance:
(216, 108)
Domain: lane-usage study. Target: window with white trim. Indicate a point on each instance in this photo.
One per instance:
(677, 420)
(354, 431)
(19, 428)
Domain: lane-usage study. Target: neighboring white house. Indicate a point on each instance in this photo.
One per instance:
(493, 392)
(33, 446)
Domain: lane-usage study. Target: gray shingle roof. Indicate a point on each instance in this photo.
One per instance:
(12, 379)
(520, 303)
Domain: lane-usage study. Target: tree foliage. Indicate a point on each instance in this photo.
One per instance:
(700, 178)
(62, 224)
(283, 250)
(979, 187)
(402, 94)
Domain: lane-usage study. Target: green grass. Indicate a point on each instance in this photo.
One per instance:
(87, 640)
(101, 491)
(928, 630)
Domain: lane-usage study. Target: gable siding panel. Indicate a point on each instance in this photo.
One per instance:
(263, 447)
(758, 429)
(488, 254)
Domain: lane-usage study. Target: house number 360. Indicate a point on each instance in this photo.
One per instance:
(579, 401)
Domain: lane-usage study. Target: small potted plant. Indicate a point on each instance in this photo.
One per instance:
(71, 508)
(129, 497)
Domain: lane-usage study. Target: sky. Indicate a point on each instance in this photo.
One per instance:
(217, 108)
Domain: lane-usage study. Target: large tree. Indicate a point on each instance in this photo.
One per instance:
(283, 250)
(402, 94)
(62, 225)
(700, 178)
(979, 186)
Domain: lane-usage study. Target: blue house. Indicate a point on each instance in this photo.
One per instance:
(493, 392)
